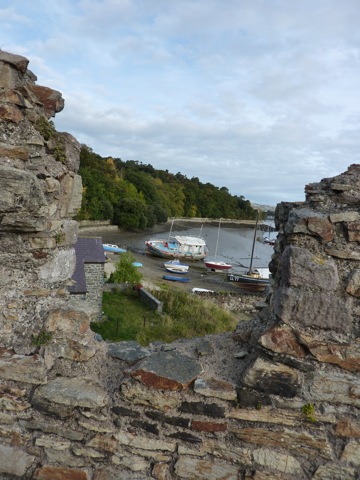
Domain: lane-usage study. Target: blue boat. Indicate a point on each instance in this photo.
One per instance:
(176, 279)
(113, 248)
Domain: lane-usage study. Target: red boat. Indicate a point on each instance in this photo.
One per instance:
(215, 266)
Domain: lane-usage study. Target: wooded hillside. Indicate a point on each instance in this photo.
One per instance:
(137, 196)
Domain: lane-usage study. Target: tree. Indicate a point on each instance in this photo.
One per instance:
(125, 271)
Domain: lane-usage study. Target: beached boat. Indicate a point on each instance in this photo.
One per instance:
(177, 247)
(175, 266)
(253, 279)
(113, 248)
(176, 279)
(215, 265)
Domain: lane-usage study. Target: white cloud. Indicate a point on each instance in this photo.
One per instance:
(260, 97)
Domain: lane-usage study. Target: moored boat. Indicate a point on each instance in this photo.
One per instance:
(176, 279)
(175, 266)
(254, 279)
(214, 265)
(178, 247)
(113, 248)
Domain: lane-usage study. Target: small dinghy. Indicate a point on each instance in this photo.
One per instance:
(171, 278)
(175, 266)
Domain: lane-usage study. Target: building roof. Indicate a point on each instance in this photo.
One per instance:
(87, 250)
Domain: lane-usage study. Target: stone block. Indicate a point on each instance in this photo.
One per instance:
(275, 379)
(48, 472)
(191, 468)
(300, 267)
(334, 472)
(281, 339)
(334, 386)
(351, 453)
(167, 371)
(277, 461)
(22, 368)
(139, 394)
(305, 308)
(212, 387)
(145, 443)
(199, 408)
(130, 351)
(297, 442)
(202, 426)
(74, 392)
(14, 461)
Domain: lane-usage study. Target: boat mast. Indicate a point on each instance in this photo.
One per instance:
(217, 240)
(254, 240)
(172, 223)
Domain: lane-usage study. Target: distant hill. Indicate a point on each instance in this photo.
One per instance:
(264, 208)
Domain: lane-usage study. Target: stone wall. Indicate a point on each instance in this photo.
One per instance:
(277, 399)
(94, 273)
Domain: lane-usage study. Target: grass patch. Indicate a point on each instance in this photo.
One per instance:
(184, 316)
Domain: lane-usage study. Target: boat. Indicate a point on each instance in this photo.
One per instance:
(176, 279)
(177, 247)
(113, 248)
(137, 264)
(214, 265)
(254, 279)
(175, 266)
(268, 241)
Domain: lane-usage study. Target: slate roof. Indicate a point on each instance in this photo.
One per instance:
(87, 250)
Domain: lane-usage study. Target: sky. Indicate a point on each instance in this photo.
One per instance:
(259, 96)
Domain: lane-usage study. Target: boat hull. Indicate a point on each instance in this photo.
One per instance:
(181, 248)
(218, 266)
(171, 278)
(249, 282)
(108, 248)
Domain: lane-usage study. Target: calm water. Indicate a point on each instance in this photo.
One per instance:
(234, 243)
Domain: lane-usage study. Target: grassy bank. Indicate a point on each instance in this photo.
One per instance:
(184, 316)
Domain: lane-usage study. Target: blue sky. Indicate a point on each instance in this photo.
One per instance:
(259, 96)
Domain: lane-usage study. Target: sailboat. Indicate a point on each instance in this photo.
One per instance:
(214, 265)
(254, 279)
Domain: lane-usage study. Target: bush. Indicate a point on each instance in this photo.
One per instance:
(125, 271)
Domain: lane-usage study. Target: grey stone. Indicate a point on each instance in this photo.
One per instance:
(73, 392)
(22, 368)
(20, 191)
(334, 387)
(14, 461)
(300, 267)
(334, 472)
(295, 306)
(60, 267)
(167, 370)
(131, 351)
(192, 468)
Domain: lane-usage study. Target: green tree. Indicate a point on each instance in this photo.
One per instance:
(125, 271)
(130, 214)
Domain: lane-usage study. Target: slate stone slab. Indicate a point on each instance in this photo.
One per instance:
(167, 371)
(131, 352)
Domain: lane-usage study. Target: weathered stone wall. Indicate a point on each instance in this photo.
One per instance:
(277, 399)
(94, 273)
